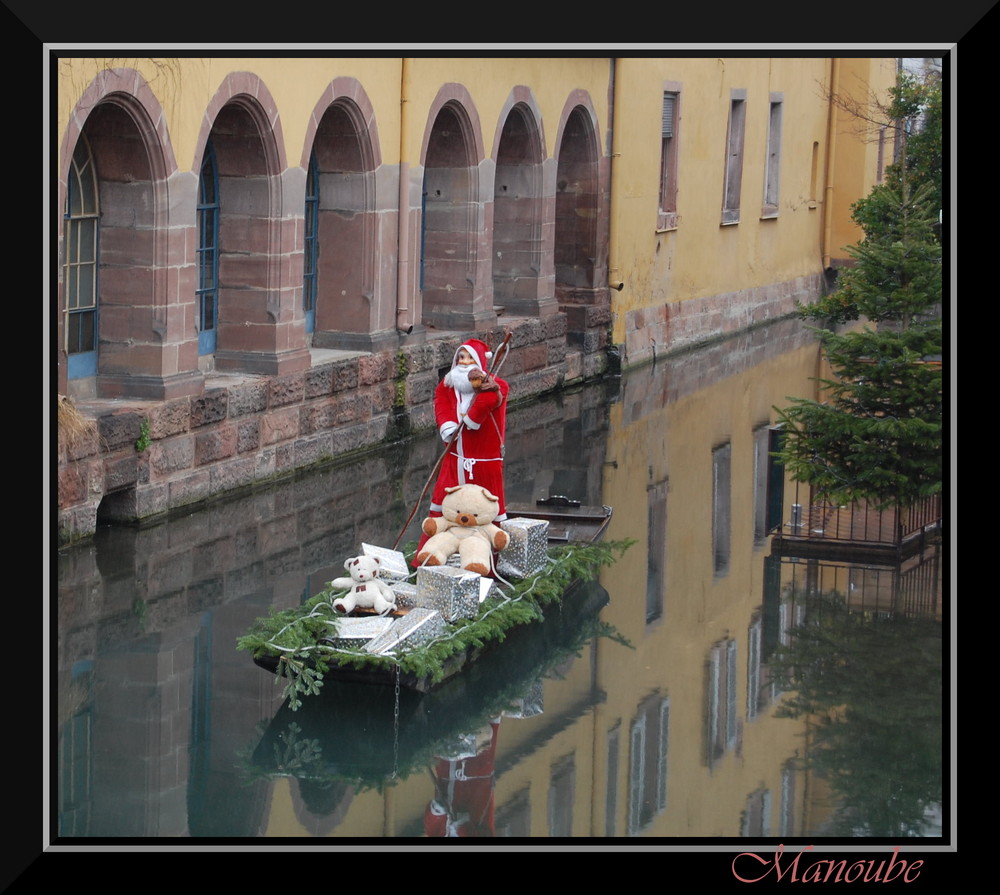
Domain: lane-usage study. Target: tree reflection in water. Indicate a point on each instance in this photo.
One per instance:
(871, 685)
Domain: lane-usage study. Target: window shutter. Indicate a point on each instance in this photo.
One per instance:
(669, 100)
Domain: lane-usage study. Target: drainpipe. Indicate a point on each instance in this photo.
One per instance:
(831, 131)
(404, 315)
(614, 270)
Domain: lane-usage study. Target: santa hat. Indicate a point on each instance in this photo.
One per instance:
(478, 350)
(481, 354)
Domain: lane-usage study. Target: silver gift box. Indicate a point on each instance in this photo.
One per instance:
(528, 549)
(452, 592)
(487, 586)
(392, 563)
(406, 594)
(356, 632)
(462, 746)
(417, 627)
(528, 705)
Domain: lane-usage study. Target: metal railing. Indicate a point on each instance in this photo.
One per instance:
(861, 523)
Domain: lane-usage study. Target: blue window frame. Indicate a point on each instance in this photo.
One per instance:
(80, 280)
(311, 244)
(208, 252)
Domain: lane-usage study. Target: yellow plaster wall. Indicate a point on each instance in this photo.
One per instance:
(701, 257)
(490, 81)
(185, 87)
(856, 144)
(700, 608)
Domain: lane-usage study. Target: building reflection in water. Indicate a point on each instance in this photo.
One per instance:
(165, 730)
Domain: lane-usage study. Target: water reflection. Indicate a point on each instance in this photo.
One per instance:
(699, 729)
(870, 684)
(353, 739)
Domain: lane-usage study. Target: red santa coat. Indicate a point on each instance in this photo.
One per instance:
(476, 456)
(464, 794)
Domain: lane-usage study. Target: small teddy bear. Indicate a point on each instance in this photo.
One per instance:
(465, 527)
(366, 591)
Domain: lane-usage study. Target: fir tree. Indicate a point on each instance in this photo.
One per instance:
(897, 274)
(875, 431)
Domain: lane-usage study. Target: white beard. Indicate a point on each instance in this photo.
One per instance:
(459, 376)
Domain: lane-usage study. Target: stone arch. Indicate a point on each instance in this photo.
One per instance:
(521, 253)
(344, 137)
(454, 273)
(349, 91)
(577, 204)
(260, 323)
(140, 341)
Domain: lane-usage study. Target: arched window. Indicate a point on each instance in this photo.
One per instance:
(311, 246)
(80, 281)
(208, 252)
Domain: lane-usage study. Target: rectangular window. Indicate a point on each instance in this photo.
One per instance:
(754, 676)
(562, 797)
(76, 752)
(721, 507)
(648, 762)
(611, 798)
(761, 469)
(734, 157)
(310, 244)
(756, 820)
(667, 217)
(720, 708)
(772, 174)
(80, 275)
(513, 820)
(207, 252)
(814, 176)
(656, 561)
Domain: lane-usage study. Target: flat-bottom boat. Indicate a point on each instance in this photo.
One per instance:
(369, 736)
(305, 658)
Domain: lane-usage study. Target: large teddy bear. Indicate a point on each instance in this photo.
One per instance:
(465, 527)
(366, 591)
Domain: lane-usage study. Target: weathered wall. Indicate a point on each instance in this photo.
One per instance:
(698, 278)
(557, 168)
(247, 430)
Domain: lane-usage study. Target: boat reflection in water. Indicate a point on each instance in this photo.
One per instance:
(166, 730)
(355, 737)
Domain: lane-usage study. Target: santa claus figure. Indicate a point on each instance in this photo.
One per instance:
(464, 789)
(471, 410)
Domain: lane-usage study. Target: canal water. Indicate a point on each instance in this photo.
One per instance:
(702, 690)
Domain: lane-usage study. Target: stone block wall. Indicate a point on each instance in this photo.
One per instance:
(652, 332)
(148, 458)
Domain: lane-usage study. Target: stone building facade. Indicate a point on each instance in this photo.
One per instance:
(265, 264)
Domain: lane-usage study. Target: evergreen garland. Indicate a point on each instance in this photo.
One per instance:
(296, 636)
